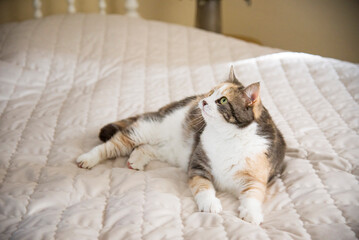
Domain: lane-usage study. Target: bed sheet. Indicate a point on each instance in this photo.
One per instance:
(65, 76)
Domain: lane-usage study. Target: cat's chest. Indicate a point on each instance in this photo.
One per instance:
(228, 155)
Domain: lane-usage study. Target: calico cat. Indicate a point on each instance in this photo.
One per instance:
(224, 139)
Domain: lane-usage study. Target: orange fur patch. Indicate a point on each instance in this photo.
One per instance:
(228, 90)
(255, 190)
(121, 124)
(255, 176)
(124, 123)
(127, 141)
(146, 150)
(257, 108)
(198, 184)
(209, 93)
(123, 142)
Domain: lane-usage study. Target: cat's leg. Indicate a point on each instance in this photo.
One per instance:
(252, 184)
(140, 157)
(205, 194)
(107, 132)
(121, 144)
(251, 199)
(200, 182)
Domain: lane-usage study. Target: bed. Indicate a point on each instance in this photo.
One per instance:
(65, 76)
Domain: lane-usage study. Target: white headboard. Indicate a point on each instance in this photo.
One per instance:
(130, 6)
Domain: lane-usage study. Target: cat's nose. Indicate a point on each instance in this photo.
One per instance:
(204, 103)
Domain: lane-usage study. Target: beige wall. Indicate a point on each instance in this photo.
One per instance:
(325, 27)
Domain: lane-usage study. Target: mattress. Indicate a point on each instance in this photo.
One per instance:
(63, 77)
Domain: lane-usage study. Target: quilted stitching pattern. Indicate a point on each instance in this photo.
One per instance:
(63, 77)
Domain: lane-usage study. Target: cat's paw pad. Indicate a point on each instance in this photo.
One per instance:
(136, 165)
(86, 161)
(250, 210)
(208, 202)
(137, 161)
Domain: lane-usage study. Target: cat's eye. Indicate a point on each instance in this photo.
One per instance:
(223, 100)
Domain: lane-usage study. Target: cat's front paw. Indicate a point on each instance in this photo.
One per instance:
(208, 202)
(87, 160)
(250, 210)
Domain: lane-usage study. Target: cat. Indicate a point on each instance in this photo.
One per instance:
(224, 139)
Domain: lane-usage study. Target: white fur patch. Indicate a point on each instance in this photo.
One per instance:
(208, 202)
(227, 147)
(166, 138)
(88, 160)
(250, 210)
(97, 154)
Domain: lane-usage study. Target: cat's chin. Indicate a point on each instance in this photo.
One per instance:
(206, 115)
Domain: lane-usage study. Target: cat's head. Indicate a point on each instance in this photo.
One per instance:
(231, 102)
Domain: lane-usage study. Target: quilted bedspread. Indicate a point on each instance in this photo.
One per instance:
(65, 76)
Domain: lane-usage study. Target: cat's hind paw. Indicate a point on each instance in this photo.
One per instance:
(87, 161)
(208, 202)
(250, 210)
(137, 160)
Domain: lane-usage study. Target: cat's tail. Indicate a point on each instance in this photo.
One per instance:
(109, 130)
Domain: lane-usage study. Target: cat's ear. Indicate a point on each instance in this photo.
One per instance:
(252, 94)
(232, 77)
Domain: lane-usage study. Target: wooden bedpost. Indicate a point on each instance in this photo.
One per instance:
(102, 5)
(37, 5)
(71, 6)
(131, 8)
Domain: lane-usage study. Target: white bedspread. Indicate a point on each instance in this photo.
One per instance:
(62, 78)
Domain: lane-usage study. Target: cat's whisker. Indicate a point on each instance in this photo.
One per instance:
(200, 128)
(195, 114)
(198, 122)
(198, 119)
